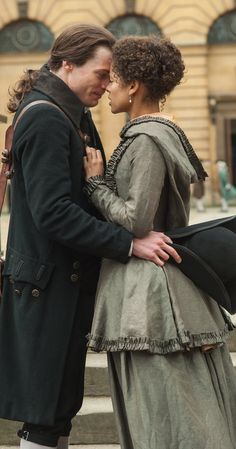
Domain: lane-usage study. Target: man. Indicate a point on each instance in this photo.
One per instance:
(56, 239)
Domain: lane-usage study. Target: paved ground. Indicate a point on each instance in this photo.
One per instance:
(210, 214)
(93, 446)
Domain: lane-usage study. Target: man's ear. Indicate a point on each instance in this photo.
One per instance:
(134, 87)
(67, 65)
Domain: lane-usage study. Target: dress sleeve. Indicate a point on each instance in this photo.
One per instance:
(147, 176)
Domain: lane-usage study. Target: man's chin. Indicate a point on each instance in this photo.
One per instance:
(92, 103)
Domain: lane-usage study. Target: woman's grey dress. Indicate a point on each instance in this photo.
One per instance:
(167, 393)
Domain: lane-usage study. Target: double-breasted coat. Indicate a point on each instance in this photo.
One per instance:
(52, 260)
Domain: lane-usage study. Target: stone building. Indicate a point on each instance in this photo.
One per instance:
(204, 105)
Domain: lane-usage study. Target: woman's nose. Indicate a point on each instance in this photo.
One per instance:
(108, 87)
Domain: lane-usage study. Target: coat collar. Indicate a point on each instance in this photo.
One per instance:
(52, 86)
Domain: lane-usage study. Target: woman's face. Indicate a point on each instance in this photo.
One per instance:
(118, 94)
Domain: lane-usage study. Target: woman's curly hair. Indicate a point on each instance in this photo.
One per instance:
(154, 61)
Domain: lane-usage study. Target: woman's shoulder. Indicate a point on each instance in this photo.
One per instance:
(142, 145)
(150, 125)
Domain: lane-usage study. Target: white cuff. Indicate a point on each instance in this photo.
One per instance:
(131, 249)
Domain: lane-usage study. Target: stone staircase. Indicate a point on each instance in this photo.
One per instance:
(94, 426)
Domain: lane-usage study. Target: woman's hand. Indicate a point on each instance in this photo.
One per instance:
(93, 163)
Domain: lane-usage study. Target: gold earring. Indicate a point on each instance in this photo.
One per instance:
(130, 99)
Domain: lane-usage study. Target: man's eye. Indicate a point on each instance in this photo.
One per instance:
(103, 76)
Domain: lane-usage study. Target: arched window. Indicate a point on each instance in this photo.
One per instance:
(25, 36)
(223, 30)
(133, 24)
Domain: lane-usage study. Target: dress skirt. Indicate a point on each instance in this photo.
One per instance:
(182, 400)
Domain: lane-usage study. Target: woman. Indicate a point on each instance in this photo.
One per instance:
(169, 390)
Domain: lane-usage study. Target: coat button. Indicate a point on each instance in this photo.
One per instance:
(17, 291)
(35, 293)
(74, 277)
(76, 265)
(11, 280)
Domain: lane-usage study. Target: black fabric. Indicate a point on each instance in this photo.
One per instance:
(45, 435)
(52, 260)
(208, 252)
(217, 247)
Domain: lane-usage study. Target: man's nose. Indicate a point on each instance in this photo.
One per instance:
(105, 84)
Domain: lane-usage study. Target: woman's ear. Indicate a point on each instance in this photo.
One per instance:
(134, 87)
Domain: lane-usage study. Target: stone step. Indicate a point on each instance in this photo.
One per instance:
(86, 446)
(76, 446)
(232, 339)
(95, 423)
(96, 375)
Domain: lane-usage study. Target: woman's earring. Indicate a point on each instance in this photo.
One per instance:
(130, 99)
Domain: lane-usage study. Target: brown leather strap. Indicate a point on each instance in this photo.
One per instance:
(34, 103)
(6, 169)
(7, 166)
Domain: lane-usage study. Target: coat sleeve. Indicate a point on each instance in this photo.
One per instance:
(42, 142)
(147, 176)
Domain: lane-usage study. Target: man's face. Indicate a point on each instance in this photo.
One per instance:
(90, 80)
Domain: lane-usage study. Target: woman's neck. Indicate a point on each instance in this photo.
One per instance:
(154, 114)
(145, 110)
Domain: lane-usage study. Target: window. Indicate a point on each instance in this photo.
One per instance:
(24, 36)
(133, 24)
(223, 30)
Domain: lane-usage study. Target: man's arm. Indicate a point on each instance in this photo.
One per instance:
(42, 143)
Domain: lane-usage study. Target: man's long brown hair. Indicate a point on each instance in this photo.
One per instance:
(75, 44)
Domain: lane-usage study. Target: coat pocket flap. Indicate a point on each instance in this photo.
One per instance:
(26, 269)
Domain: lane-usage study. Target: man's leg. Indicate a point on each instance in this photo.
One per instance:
(28, 445)
(72, 387)
(36, 436)
(63, 443)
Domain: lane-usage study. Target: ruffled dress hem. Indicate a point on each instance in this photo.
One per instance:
(184, 342)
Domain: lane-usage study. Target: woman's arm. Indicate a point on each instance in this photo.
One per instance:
(148, 171)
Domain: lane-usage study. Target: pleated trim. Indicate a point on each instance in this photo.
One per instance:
(92, 183)
(109, 178)
(185, 342)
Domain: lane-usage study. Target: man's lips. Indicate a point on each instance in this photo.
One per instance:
(98, 94)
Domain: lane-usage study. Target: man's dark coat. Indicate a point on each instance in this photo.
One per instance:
(52, 262)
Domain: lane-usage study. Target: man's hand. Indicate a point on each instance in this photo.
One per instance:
(155, 247)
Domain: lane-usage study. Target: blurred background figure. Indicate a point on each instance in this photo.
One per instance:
(198, 195)
(227, 190)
